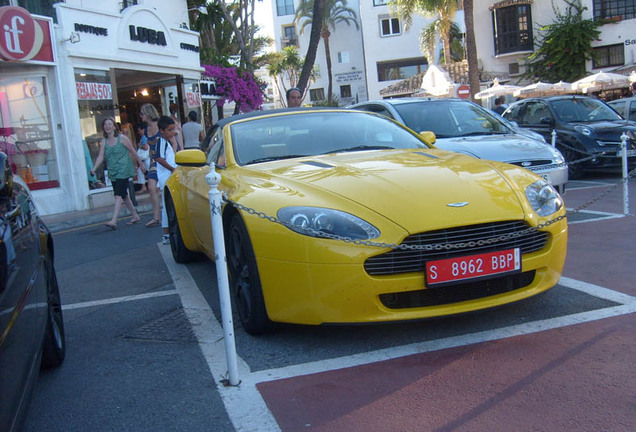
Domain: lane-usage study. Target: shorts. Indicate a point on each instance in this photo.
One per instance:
(120, 187)
(152, 175)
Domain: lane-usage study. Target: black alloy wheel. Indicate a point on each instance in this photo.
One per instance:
(245, 283)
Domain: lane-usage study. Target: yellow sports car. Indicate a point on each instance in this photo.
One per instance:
(341, 216)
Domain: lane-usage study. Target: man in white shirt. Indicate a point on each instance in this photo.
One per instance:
(193, 132)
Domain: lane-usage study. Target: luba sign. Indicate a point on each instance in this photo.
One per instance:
(147, 35)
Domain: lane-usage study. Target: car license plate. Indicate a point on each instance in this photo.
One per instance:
(546, 177)
(473, 266)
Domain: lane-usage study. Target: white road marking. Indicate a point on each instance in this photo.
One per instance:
(602, 216)
(259, 418)
(244, 404)
(118, 299)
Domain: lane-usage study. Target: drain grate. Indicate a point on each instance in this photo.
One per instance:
(170, 327)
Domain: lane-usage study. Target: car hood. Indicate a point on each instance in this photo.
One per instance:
(508, 148)
(608, 128)
(418, 190)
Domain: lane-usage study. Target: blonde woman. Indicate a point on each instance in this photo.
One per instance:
(150, 115)
(119, 154)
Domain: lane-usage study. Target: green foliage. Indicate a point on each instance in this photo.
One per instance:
(564, 46)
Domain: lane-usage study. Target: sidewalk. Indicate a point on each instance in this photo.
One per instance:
(65, 221)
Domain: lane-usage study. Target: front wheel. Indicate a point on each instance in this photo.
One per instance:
(245, 282)
(54, 344)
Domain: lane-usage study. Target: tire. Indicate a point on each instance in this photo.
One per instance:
(180, 253)
(54, 344)
(245, 283)
(575, 171)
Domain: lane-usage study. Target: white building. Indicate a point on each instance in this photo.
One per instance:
(97, 59)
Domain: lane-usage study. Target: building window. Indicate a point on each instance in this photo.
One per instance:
(26, 133)
(345, 91)
(616, 10)
(316, 94)
(127, 3)
(401, 69)
(610, 55)
(380, 2)
(284, 7)
(289, 36)
(343, 57)
(389, 26)
(35, 7)
(513, 29)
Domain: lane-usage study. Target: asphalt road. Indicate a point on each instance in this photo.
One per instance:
(145, 349)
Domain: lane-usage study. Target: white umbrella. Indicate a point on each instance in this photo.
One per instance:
(536, 90)
(497, 90)
(563, 87)
(601, 81)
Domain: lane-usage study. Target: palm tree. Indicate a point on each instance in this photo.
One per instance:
(444, 10)
(428, 41)
(285, 66)
(471, 48)
(312, 48)
(335, 12)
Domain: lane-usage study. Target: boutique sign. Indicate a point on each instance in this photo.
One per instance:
(22, 37)
(146, 35)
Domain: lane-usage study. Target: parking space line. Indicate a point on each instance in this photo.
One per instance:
(244, 404)
(118, 299)
(602, 216)
(259, 418)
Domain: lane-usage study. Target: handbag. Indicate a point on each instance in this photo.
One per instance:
(144, 155)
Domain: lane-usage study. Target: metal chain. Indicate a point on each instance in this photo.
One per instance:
(426, 247)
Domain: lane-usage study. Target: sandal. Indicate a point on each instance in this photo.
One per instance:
(111, 226)
(152, 222)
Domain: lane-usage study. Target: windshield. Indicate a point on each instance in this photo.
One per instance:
(448, 119)
(313, 133)
(578, 110)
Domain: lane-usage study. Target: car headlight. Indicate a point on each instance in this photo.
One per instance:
(543, 198)
(558, 157)
(317, 221)
(584, 130)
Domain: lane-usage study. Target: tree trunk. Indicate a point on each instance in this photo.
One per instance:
(312, 49)
(471, 49)
(325, 37)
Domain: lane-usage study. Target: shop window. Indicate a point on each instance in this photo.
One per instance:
(345, 91)
(284, 7)
(26, 134)
(610, 55)
(389, 26)
(317, 94)
(614, 10)
(401, 69)
(513, 28)
(95, 102)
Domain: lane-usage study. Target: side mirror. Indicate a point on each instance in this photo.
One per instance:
(191, 158)
(547, 121)
(428, 136)
(6, 176)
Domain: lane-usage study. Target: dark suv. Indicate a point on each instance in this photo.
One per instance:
(585, 127)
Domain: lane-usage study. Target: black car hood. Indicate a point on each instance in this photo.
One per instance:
(607, 127)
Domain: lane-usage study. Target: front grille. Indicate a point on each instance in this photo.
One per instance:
(457, 293)
(532, 163)
(404, 261)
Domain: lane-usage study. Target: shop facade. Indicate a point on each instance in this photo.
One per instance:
(106, 62)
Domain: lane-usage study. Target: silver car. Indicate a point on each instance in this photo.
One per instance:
(465, 127)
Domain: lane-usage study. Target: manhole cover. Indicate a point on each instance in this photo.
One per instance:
(170, 327)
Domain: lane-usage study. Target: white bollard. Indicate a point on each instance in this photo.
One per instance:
(213, 178)
(554, 136)
(624, 138)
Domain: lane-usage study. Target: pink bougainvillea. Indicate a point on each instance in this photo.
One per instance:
(233, 86)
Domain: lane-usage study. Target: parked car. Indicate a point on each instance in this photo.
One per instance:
(468, 128)
(342, 216)
(626, 107)
(31, 322)
(585, 127)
